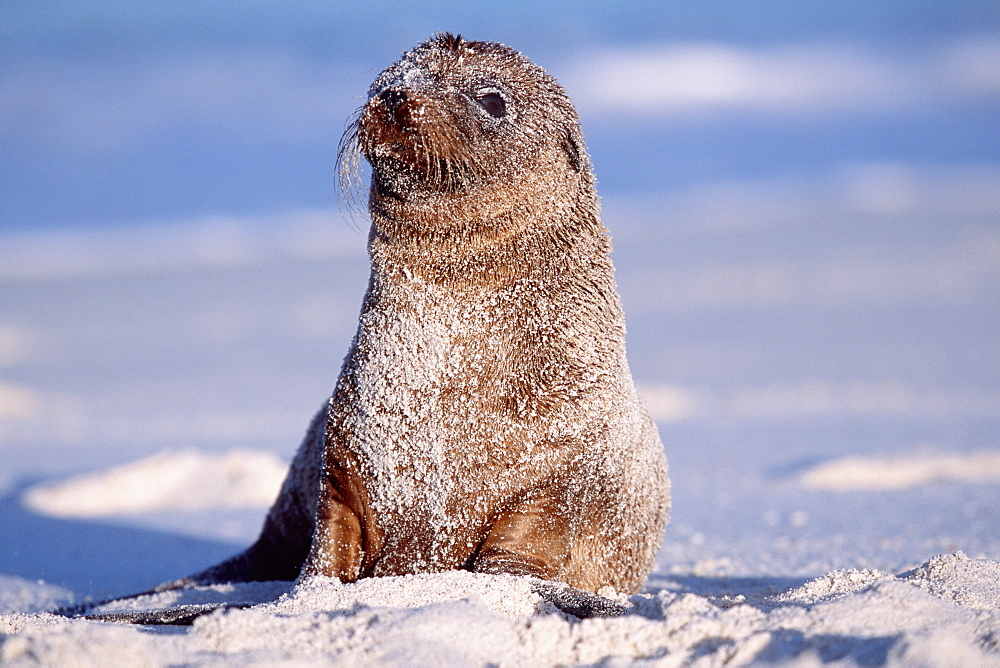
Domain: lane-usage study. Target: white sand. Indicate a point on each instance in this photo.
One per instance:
(946, 612)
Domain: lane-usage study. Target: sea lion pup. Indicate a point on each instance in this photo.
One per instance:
(485, 417)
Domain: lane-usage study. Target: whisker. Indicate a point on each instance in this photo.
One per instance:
(349, 183)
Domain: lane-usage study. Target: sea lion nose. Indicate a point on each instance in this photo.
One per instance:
(392, 98)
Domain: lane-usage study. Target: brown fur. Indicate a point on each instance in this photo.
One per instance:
(485, 417)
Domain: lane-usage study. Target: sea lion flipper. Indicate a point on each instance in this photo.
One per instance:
(578, 602)
(181, 615)
(531, 539)
(336, 549)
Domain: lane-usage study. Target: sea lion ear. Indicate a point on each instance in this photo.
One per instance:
(571, 145)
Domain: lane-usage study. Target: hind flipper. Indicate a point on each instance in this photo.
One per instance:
(181, 615)
(578, 602)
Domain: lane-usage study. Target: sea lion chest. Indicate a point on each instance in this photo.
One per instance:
(432, 428)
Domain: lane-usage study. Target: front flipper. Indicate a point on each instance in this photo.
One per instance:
(337, 548)
(533, 539)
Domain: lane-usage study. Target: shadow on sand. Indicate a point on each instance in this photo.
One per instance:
(753, 588)
(95, 559)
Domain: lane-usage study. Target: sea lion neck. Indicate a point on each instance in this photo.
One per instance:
(526, 231)
(475, 254)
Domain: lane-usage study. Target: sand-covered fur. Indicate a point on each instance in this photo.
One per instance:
(485, 417)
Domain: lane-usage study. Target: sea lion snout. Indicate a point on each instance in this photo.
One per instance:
(412, 127)
(400, 107)
(392, 98)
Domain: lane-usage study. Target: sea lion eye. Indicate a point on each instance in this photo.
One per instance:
(493, 103)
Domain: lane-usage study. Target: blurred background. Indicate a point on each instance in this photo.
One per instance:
(804, 200)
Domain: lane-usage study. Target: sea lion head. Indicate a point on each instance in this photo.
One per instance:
(457, 130)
